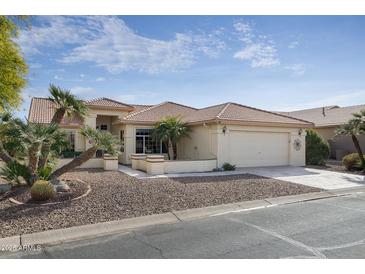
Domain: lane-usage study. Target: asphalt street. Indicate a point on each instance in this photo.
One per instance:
(327, 228)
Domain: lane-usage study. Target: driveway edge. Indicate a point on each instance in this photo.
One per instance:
(126, 225)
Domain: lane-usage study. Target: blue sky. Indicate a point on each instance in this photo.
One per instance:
(269, 62)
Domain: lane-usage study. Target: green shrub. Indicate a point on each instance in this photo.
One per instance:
(15, 173)
(71, 154)
(42, 190)
(44, 173)
(317, 149)
(228, 166)
(352, 161)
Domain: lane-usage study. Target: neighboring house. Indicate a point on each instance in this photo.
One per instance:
(228, 132)
(326, 120)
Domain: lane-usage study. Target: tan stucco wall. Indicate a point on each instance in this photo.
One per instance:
(92, 163)
(79, 139)
(342, 144)
(326, 133)
(202, 144)
(189, 166)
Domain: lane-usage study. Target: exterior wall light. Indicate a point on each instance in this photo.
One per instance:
(224, 129)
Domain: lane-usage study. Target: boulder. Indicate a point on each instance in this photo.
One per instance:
(4, 188)
(61, 186)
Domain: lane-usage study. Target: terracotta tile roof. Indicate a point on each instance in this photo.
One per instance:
(107, 103)
(42, 110)
(140, 107)
(158, 112)
(241, 113)
(328, 115)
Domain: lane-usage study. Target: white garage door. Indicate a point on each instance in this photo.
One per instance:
(249, 149)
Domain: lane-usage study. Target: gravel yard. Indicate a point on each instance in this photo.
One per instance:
(115, 195)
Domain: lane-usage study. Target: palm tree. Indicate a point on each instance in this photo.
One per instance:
(353, 128)
(66, 104)
(29, 138)
(170, 130)
(100, 140)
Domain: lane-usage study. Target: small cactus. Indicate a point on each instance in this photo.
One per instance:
(42, 190)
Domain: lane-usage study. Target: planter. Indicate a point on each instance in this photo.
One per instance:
(110, 162)
(138, 161)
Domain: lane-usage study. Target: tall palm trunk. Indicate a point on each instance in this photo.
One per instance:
(170, 150)
(358, 149)
(46, 148)
(58, 116)
(84, 157)
(33, 162)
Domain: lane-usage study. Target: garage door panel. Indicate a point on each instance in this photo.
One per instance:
(249, 149)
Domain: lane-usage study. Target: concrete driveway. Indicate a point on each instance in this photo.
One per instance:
(311, 177)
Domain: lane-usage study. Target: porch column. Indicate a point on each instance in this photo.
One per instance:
(90, 121)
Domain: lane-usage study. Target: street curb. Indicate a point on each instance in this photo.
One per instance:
(125, 225)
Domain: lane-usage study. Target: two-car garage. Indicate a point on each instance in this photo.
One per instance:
(258, 148)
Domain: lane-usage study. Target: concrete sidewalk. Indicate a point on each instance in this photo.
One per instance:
(324, 179)
(108, 228)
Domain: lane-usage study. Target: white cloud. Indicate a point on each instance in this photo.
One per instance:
(260, 55)
(82, 90)
(258, 49)
(342, 99)
(100, 79)
(57, 77)
(297, 69)
(293, 44)
(109, 43)
(54, 31)
(82, 75)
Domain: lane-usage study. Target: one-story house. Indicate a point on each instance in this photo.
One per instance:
(229, 132)
(326, 120)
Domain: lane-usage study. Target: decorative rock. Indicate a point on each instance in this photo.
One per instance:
(218, 169)
(4, 188)
(61, 186)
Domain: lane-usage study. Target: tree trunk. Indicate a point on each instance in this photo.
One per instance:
(33, 163)
(4, 154)
(46, 148)
(170, 150)
(44, 155)
(358, 149)
(84, 157)
(58, 116)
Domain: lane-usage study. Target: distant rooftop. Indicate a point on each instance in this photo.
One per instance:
(326, 115)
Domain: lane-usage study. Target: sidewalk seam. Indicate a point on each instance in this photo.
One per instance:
(173, 213)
